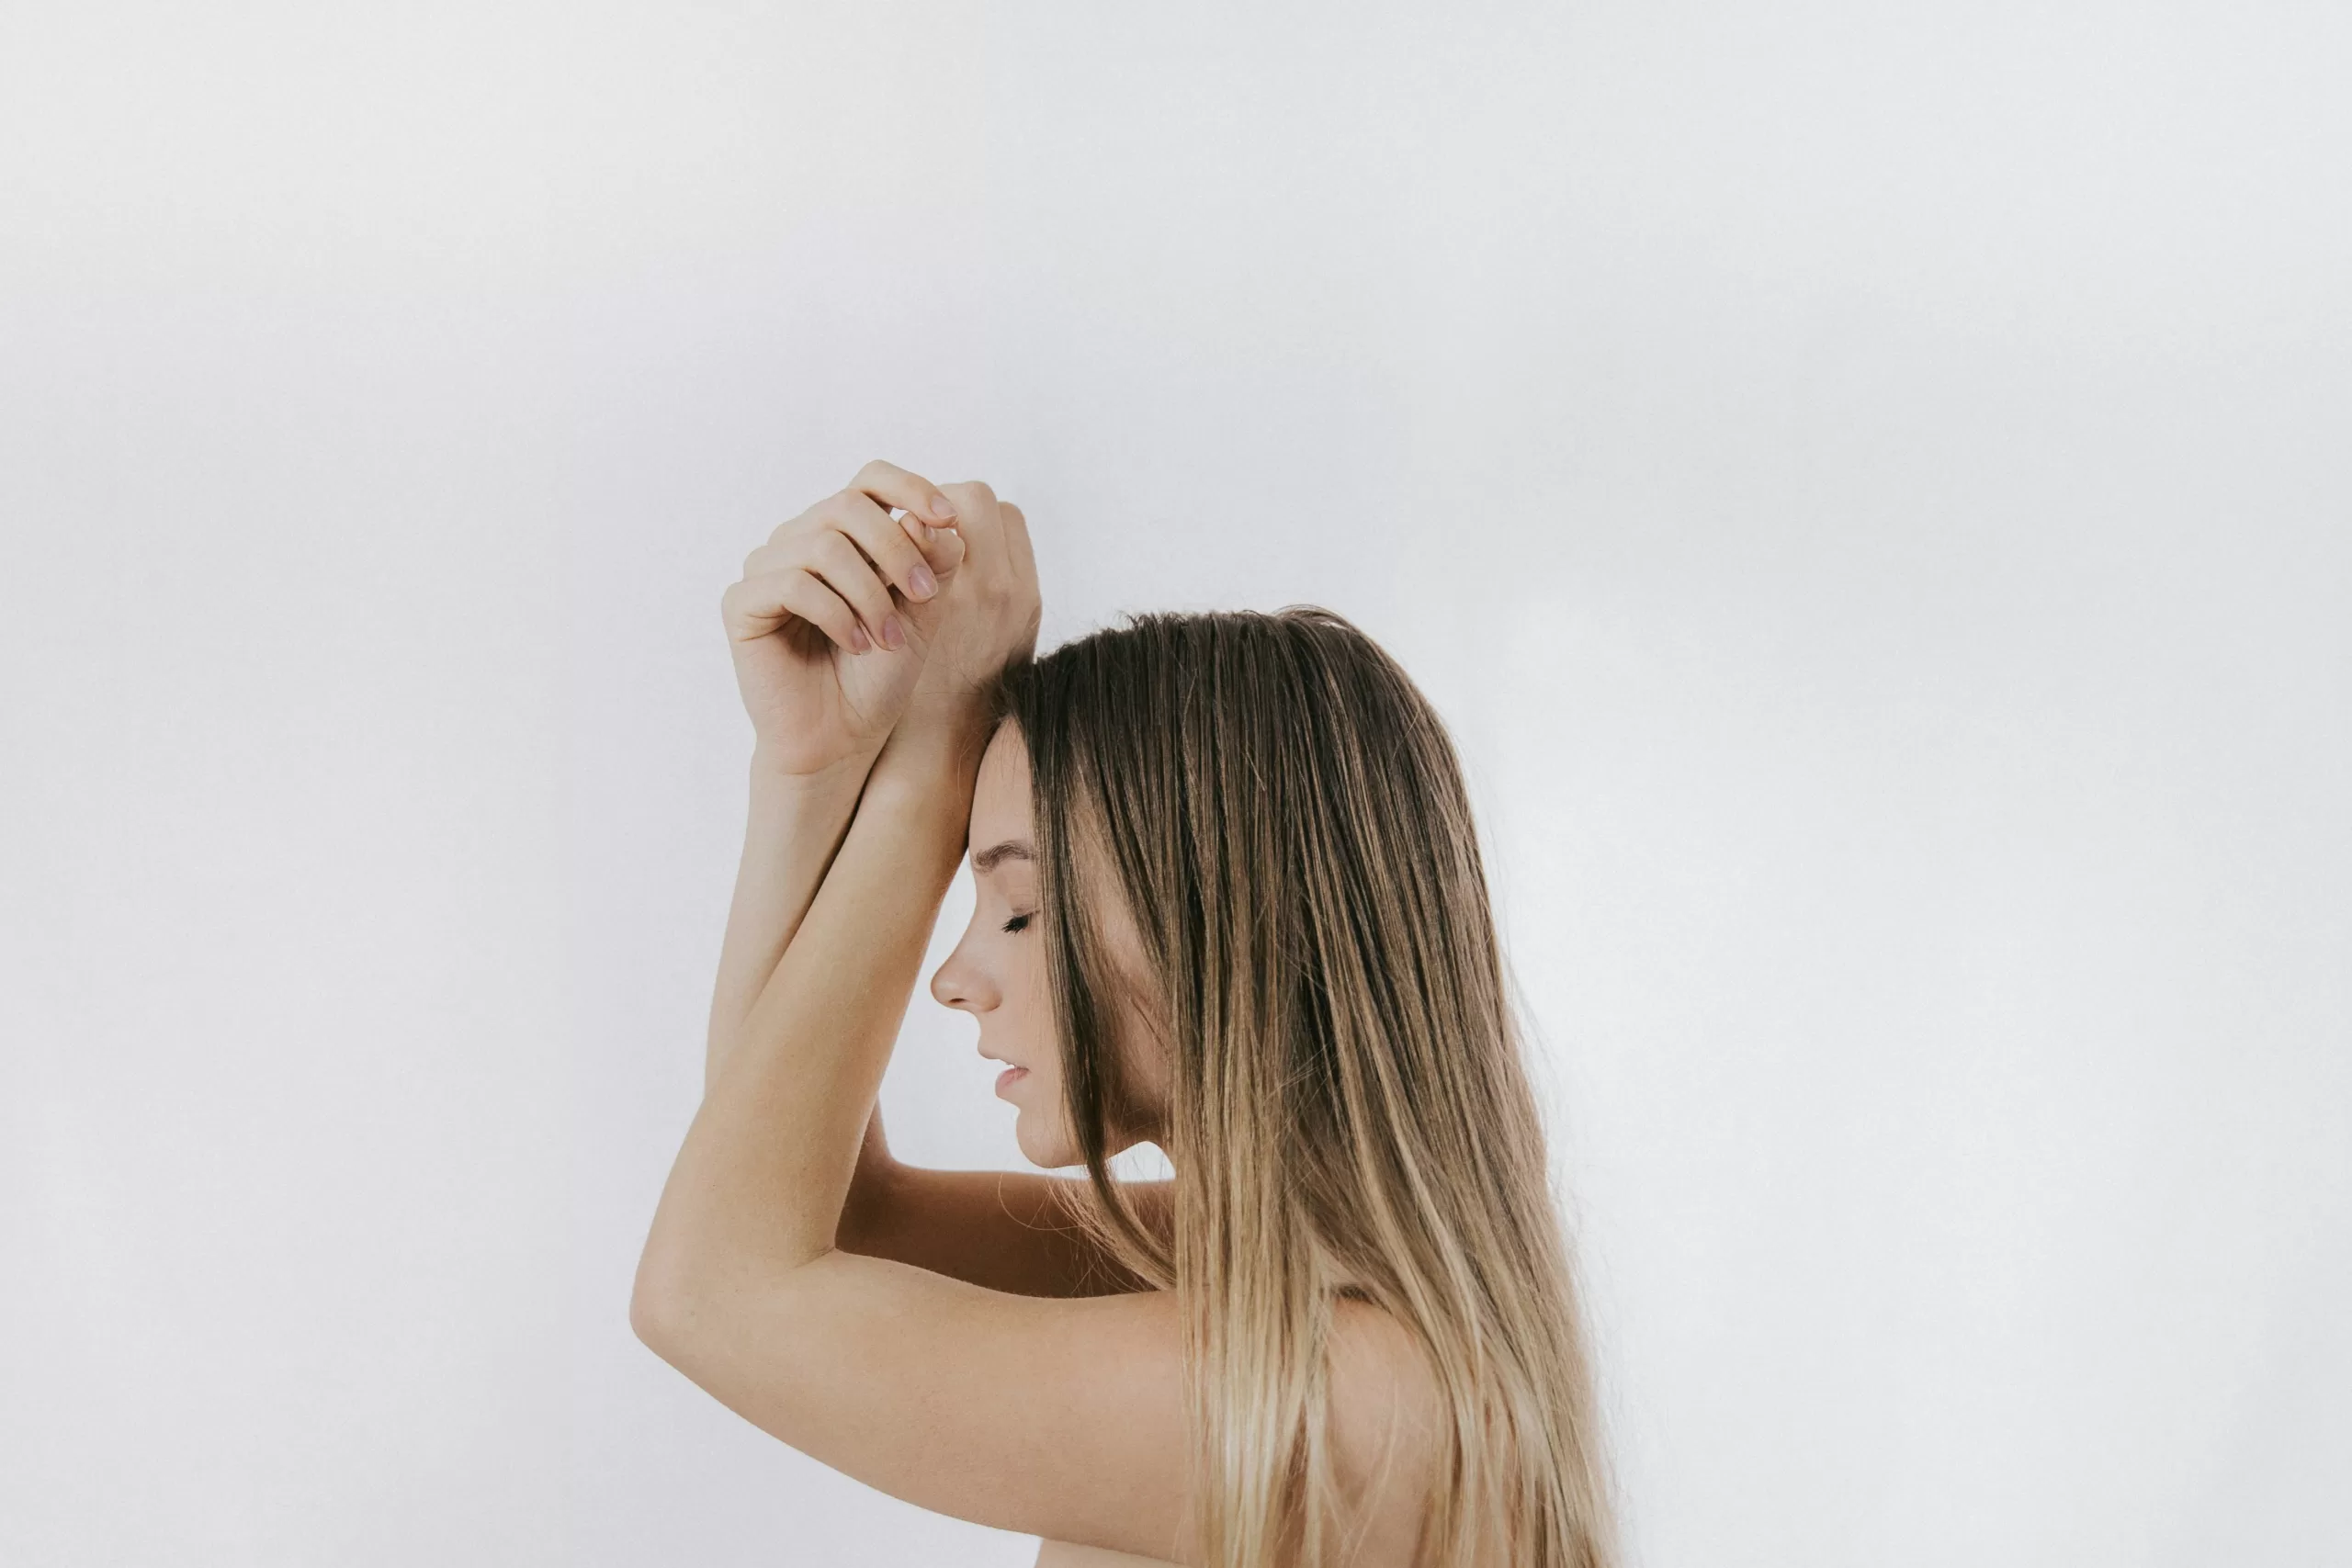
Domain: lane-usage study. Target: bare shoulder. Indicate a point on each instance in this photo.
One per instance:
(1387, 1427)
(1386, 1413)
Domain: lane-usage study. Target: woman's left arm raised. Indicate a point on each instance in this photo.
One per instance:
(1054, 1416)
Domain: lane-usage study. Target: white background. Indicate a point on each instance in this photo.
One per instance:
(1868, 486)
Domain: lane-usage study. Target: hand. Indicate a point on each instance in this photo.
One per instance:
(992, 611)
(811, 623)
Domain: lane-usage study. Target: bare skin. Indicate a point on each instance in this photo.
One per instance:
(922, 1330)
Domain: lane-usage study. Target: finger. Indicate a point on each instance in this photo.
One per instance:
(983, 527)
(885, 543)
(893, 486)
(975, 505)
(759, 605)
(835, 557)
(792, 549)
(942, 547)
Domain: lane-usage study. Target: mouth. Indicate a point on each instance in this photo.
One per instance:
(1010, 1077)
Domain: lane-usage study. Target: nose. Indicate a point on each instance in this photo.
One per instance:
(958, 983)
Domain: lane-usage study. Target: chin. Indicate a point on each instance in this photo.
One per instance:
(1045, 1156)
(1050, 1159)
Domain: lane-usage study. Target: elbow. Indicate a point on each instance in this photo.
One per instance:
(684, 1299)
(660, 1305)
(648, 1316)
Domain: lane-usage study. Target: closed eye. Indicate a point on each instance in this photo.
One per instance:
(1018, 923)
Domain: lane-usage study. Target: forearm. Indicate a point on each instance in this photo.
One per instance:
(794, 825)
(1015, 1231)
(761, 1181)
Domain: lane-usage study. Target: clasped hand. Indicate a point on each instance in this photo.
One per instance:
(850, 624)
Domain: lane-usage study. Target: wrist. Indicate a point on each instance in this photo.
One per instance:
(948, 734)
(844, 773)
(927, 772)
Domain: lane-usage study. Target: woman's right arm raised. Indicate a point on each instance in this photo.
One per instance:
(816, 637)
(808, 630)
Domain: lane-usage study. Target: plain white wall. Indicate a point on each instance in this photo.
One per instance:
(1868, 486)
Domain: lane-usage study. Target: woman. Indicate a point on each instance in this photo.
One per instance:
(1230, 901)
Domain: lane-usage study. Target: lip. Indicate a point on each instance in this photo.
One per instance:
(1010, 1077)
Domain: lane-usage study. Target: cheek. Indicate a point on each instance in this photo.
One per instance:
(1045, 1079)
(1023, 982)
(1045, 1121)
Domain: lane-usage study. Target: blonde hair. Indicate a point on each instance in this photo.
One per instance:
(1283, 815)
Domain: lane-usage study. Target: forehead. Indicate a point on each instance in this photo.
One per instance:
(1001, 794)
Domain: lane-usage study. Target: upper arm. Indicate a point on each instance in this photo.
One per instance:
(1056, 1417)
(1060, 1417)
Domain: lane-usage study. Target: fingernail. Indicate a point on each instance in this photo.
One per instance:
(858, 641)
(890, 632)
(942, 507)
(921, 581)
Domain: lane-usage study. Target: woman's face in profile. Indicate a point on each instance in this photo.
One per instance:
(997, 971)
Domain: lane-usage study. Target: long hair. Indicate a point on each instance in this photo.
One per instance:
(1283, 815)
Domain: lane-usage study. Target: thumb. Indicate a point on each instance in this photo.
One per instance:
(942, 548)
(942, 552)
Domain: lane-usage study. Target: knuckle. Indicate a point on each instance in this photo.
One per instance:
(872, 527)
(841, 552)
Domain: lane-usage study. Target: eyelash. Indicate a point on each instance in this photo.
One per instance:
(1018, 923)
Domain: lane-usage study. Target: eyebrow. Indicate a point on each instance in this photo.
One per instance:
(996, 854)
